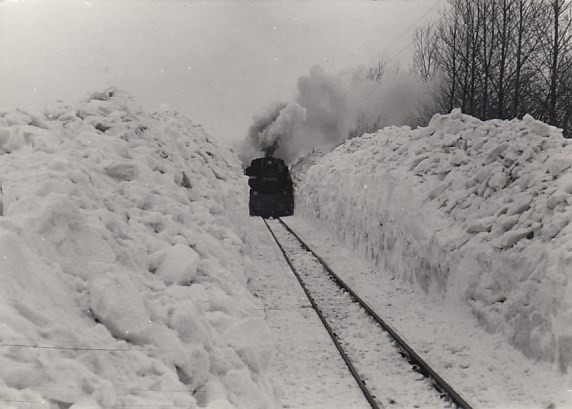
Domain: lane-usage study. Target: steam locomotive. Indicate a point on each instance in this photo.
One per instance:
(271, 191)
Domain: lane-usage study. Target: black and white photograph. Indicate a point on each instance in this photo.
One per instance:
(285, 204)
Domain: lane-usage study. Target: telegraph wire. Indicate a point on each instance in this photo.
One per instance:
(66, 348)
(46, 401)
(414, 25)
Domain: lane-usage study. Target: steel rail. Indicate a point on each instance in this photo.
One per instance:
(360, 382)
(438, 382)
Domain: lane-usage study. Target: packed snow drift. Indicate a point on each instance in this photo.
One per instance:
(475, 213)
(122, 264)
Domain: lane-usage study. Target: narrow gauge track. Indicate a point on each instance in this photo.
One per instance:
(387, 370)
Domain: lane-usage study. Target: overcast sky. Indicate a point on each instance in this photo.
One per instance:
(218, 62)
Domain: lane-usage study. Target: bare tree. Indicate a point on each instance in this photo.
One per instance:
(425, 56)
(488, 52)
(559, 54)
(502, 58)
(526, 47)
(376, 72)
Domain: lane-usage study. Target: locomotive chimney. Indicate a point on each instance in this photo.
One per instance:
(269, 150)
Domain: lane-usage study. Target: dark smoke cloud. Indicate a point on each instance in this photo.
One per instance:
(330, 108)
(258, 131)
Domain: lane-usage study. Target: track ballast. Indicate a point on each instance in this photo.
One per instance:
(388, 371)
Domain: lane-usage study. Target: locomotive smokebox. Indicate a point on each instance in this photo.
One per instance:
(271, 190)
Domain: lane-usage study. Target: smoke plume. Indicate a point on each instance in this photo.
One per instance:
(286, 122)
(330, 108)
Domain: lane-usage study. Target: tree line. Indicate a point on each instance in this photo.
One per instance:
(501, 59)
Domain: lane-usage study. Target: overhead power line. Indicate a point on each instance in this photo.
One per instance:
(411, 27)
(65, 348)
(44, 402)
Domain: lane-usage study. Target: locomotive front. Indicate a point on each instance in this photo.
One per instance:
(271, 190)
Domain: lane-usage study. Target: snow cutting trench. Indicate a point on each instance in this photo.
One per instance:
(378, 361)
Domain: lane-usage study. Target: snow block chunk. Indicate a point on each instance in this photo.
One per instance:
(249, 338)
(509, 239)
(565, 183)
(179, 265)
(118, 304)
(122, 171)
(537, 127)
(558, 164)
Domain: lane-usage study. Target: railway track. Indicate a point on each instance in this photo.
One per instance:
(388, 371)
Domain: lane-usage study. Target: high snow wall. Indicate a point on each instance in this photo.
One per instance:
(471, 212)
(123, 276)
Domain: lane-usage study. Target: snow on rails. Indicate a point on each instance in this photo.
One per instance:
(387, 370)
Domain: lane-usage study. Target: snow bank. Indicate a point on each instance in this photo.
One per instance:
(122, 266)
(473, 212)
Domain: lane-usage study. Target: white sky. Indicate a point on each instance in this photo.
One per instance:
(218, 62)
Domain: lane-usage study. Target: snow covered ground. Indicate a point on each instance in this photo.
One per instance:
(128, 265)
(482, 367)
(307, 366)
(473, 215)
(123, 275)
